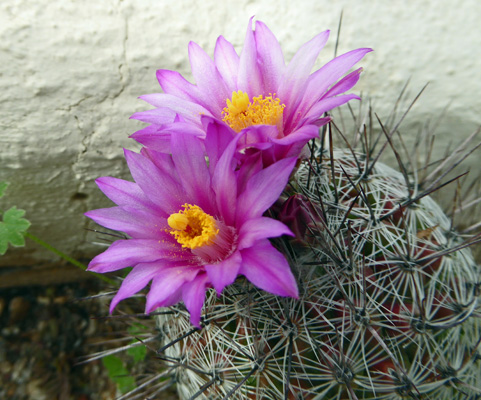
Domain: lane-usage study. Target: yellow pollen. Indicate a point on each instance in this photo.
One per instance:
(192, 227)
(241, 113)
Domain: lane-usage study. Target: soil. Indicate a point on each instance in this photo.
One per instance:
(47, 331)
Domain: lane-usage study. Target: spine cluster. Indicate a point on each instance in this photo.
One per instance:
(388, 308)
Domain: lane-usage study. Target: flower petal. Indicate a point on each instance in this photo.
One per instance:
(135, 222)
(268, 269)
(298, 70)
(162, 161)
(294, 145)
(157, 116)
(154, 137)
(166, 283)
(227, 62)
(224, 182)
(301, 135)
(324, 77)
(269, 58)
(193, 294)
(250, 165)
(325, 105)
(157, 137)
(189, 160)
(211, 86)
(345, 84)
(189, 110)
(123, 193)
(136, 280)
(217, 138)
(260, 228)
(128, 253)
(249, 78)
(225, 272)
(158, 185)
(258, 136)
(263, 189)
(175, 84)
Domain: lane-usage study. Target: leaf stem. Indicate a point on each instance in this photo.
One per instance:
(68, 258)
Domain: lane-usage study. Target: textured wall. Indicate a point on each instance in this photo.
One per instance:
(71, 73)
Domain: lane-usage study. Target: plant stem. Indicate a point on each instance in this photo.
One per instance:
(68, 258)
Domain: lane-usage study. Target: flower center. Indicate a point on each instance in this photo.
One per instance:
(241, 113)
(192, 227)
(208, 238)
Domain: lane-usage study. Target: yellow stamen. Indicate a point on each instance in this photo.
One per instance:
(192, 227)
(241, 113)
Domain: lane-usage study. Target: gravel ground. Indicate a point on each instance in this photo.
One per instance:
(47, 331)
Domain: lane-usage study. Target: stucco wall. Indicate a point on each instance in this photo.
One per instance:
(71, 72)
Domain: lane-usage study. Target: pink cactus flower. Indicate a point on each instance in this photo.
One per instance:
(279, 106)
(194, 224)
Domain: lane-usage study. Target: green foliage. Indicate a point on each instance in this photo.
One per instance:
(13, 226)
(3, 187)
(118, 373)
(137, 352)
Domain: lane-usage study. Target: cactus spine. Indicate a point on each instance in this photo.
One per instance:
(389, 305)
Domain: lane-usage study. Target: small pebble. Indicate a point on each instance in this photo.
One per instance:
(2, 305)
(18, 309)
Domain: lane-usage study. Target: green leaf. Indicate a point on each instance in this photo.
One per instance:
(118, 373)
(12, 229)
(3, 186)
(138, 352)
(137, 328)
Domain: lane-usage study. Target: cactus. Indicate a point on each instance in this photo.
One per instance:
(390, 291)
(389, 294)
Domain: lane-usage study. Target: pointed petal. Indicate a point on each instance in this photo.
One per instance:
(162, 161)
(260, 228)
(135, 281)
(190, 110)
(345, 84)
(209, 81)
(193, 294)
(258, 136)
(321, 121)
(268, 269)
(263, 189)
(128, 253)
(174, 298)
(225, 272)
(123, 193)
(294, 145)
(270, 58)
(175, 84)
(186, 128)
(217, 138)
(189, 160)
(157, 137)
(135, 222)
(301, 135)
(224, 182)
(324, 77)
(227, 62)
(326, 105)
(154, 137)
(249, 166)
(160, 187)
(166, 284)
(298, 70)
(157, 116)
(249, 79)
